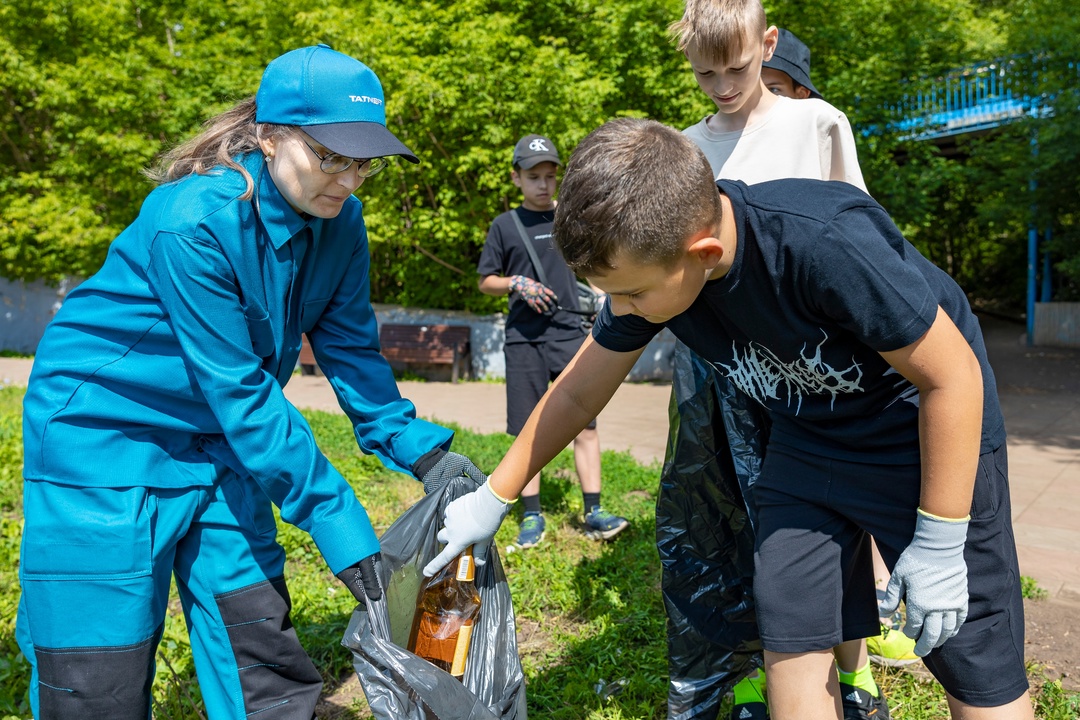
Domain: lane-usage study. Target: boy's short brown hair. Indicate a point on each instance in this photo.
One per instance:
(633, 186)
(718, 29)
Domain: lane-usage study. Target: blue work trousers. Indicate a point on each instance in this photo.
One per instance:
(95, 571)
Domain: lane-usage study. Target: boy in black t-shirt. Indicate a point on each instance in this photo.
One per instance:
(543, 328)
(872, 368)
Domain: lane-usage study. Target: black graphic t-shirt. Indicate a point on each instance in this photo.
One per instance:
(505, 254)
(822, 281)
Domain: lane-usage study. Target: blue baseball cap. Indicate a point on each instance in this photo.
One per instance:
(336, 99)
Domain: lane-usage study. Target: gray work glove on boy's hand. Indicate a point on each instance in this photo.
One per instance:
(931, 578)
(439, 466)
(362, 579)
(472, 519)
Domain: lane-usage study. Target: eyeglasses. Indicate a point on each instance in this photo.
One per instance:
(331, 163)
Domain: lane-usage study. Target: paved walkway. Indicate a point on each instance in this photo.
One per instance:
(1040, 396)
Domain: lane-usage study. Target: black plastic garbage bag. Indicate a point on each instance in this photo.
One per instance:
(402, 686)
(705, 538)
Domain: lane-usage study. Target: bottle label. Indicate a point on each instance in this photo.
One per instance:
(465, 568)
(461, 652)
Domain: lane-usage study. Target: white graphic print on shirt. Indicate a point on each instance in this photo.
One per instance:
(761, 375)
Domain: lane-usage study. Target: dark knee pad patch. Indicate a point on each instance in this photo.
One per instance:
(277, 677)
(95, 683)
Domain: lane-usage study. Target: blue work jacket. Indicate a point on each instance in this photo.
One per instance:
(167, 365)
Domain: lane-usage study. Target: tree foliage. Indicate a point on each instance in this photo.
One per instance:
(92, 92)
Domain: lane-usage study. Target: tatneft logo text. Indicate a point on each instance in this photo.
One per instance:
(366, 99)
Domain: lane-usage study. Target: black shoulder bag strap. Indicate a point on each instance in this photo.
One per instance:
(530, 248)
(535, 258)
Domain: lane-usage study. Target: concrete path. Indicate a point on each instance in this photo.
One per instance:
(1040, 397)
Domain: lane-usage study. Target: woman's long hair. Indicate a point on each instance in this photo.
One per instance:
(223, 137)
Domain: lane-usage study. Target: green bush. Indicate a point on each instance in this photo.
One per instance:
(95, 91)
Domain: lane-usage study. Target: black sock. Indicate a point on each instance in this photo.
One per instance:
(531, 503)
(591, 500)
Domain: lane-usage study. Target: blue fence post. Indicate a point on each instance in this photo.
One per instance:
(1044, 296)
(1033, 246)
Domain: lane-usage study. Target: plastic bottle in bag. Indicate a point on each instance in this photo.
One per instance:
(446, 607)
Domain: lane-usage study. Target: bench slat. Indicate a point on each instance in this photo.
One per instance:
(430, 344)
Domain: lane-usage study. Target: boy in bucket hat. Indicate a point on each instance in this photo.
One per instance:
(156, 430)
(543, 329)
(787, 72)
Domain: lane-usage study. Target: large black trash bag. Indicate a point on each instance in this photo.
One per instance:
(705, 538)
(398, 684)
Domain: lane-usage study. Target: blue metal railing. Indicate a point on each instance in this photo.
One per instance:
(982, 96)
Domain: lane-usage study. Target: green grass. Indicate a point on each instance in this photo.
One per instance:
(1030, 589)
(591, 623)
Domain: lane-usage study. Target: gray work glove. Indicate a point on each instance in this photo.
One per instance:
(362, 579)
(931, 578)
(472, 519)
(439, 466)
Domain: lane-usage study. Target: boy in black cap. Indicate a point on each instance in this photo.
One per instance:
(544, 327)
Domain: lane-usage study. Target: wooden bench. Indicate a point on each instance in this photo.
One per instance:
(308, 366)
(429, 345)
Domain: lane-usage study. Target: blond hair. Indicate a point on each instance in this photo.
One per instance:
(633, 188)
(719, 29)
(224, 137)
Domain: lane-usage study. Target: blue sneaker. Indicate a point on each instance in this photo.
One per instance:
(602, 525)
(531, 531)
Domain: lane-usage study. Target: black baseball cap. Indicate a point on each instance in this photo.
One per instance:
(793, 57)
(532, 150)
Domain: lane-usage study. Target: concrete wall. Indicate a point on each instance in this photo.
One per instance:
(1057, 324)
(25, 310)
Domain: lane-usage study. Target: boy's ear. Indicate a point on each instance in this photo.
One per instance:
(707, 250)
(772, 36)
(515, 178)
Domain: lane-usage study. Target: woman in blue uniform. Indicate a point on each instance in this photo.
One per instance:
(156, 430)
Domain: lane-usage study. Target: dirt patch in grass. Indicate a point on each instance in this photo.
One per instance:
(1053, 640)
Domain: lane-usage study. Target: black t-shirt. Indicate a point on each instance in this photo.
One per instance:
(505, 254)
(822, 281)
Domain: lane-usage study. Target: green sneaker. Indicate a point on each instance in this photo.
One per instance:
(751, 692)
(602, 525)
(891, 648)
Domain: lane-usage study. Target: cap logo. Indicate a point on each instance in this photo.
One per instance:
(365, 99)
(537, 145)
